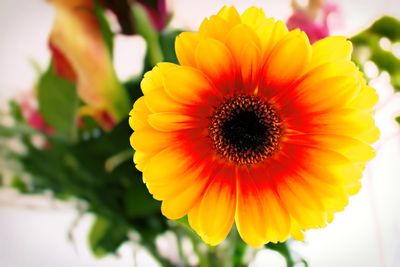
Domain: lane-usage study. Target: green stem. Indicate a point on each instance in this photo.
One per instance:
(143, 27)
(179, 237)
(116, 160)
(212, 256)
(196, 241)
(284, 250)
(239, 250)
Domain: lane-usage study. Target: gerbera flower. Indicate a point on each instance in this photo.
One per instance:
(254, 126)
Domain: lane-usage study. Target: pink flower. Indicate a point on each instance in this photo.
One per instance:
(157, 12)
(312, 19)
(33, 117)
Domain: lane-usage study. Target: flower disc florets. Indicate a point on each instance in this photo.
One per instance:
(245, 129)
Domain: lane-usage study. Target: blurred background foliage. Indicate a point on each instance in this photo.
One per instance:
(74, 157)
(374, 44)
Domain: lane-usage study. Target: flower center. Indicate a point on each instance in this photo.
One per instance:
(245, 129)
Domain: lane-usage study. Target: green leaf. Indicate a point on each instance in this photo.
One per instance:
(137, 201)
(388, 27)
(100, 172)
(284, 250)
(105, 29)
(133, 88)
(58, 103)
(385, 27)
(167, 41)
(19, 184)
(15, 111)
(143, 27)
(105, 236)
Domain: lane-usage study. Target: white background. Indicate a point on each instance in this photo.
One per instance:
(33, 230)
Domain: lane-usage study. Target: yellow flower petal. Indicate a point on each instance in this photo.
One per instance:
(179, 204)
(215, 27)
(141, 159)
(230, 15)
(188, 85)
(366, 99)
(277, 221)
(288, 60)
(215, 61)
(152, 80)
(159, 101)
(167, 164)
(138, 115)
(253, 17)
(270, 33)
(250, 218)
(218, 203)
(185, 44)
(304, 216)
(170, 121)
(246, 54)
(331, 49)
(150, 140)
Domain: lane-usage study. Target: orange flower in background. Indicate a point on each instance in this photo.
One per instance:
(255, 126)
(80, 54)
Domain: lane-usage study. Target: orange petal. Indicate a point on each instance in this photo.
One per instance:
(215, 60)
(253, 17)
(185, 44)
(277, 220)
(151, 140)
(331, 48)
(230, 15)
(213, 217)
(246, 54)
(152, 80)
(138, 115)
(187, 85)
(250, 218)
(171, 121)
(141, 159)
(179, 202)
(287, 62)
(215, 27)
(159, 101)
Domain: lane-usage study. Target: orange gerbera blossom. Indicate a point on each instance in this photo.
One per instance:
(255, 126)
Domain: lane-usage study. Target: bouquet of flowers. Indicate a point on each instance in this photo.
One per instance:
(243, 134)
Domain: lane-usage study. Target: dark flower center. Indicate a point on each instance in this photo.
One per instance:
(245, 129)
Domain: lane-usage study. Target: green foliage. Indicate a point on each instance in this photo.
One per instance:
(283, 249)
(386, 27)
(19, 184)
(167, 42)
(106, 236)
(15, 111)
(104, 28)
(58, 103)
(115, 192)
(143, 27)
